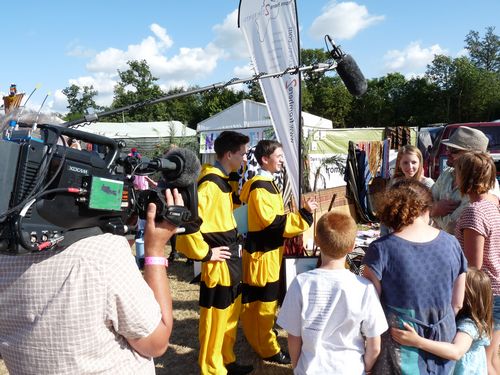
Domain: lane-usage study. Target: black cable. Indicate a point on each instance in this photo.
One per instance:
(18, 227)
(36, 191)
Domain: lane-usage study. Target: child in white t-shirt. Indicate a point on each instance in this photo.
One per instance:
(333, 317)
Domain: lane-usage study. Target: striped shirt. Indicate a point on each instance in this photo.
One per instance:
(484, 218)
(70, 312)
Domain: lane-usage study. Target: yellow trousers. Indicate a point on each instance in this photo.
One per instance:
(218, 328)
(258, 320)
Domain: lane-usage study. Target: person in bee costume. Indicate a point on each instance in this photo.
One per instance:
(268, 226)
(213, 241)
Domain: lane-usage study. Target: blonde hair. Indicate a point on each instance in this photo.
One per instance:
(478, 301)
(336, 234)
(476, 172)
(409, 150)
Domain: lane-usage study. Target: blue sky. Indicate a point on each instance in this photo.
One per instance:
(57, 43)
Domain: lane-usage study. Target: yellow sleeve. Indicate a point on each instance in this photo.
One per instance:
(192, 244)
(270, 213)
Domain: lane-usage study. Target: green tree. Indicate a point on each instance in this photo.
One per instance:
(441, 72)
(323, 93)
(255, 92)
(80, 100)
(138, 85)
(418, 103)
(484, 52)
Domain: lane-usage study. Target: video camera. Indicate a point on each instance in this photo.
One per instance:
(54, 195)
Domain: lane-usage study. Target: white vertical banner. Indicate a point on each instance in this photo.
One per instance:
(271, 31)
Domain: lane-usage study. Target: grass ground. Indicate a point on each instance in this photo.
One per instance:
(182, 354)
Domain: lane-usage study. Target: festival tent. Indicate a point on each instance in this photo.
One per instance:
(146, 136)
(250, 118)
(323, 142)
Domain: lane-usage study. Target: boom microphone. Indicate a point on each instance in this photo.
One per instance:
(351, 75)
(348, 70)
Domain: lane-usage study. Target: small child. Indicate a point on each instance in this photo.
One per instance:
(474, 326)
(333, 317)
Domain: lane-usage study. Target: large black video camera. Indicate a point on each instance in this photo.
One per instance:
(53, 195)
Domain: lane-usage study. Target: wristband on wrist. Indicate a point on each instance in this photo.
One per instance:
(156, 261)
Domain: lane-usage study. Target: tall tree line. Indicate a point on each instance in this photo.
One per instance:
(460, 89)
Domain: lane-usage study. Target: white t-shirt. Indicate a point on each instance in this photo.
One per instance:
(332, 310)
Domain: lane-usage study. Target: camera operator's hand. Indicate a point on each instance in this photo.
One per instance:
(157, 234)
(155, 237)
(220, 254)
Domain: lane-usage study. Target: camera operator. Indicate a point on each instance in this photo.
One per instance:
(87, 309)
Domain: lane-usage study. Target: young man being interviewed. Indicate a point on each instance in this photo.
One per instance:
(268, 226)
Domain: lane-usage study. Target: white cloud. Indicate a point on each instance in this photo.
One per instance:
(75, 49)
(182, 68)
(342, 20)
(161, 34)
(229, 38)
(174, 84)
(463, 52)
(188, 63)
(412, 60)
(244, 71)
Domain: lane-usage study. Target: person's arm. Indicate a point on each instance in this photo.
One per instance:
(151, 181)
(155, 238)
(457, 296)
(473, 247)
(193, 244)
(452, 351)
(372, 351)
(370, 275)
(294, 347)
(444, 207)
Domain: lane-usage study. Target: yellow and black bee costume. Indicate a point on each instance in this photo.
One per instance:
(268, 226)
(220, 287)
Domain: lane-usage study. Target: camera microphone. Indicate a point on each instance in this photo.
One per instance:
(180, 167)
(348, 70)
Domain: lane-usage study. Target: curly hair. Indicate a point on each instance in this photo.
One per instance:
(475, 172)
(406, 200)
(336, 234)
(409, 150)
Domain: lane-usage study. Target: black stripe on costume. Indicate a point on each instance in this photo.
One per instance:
(264, 184)
(236, 199)
(234, 176)
(268, 293)
(219, 297)
(222, 183)
(268, 238)
(306, 215)
(216, 239)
